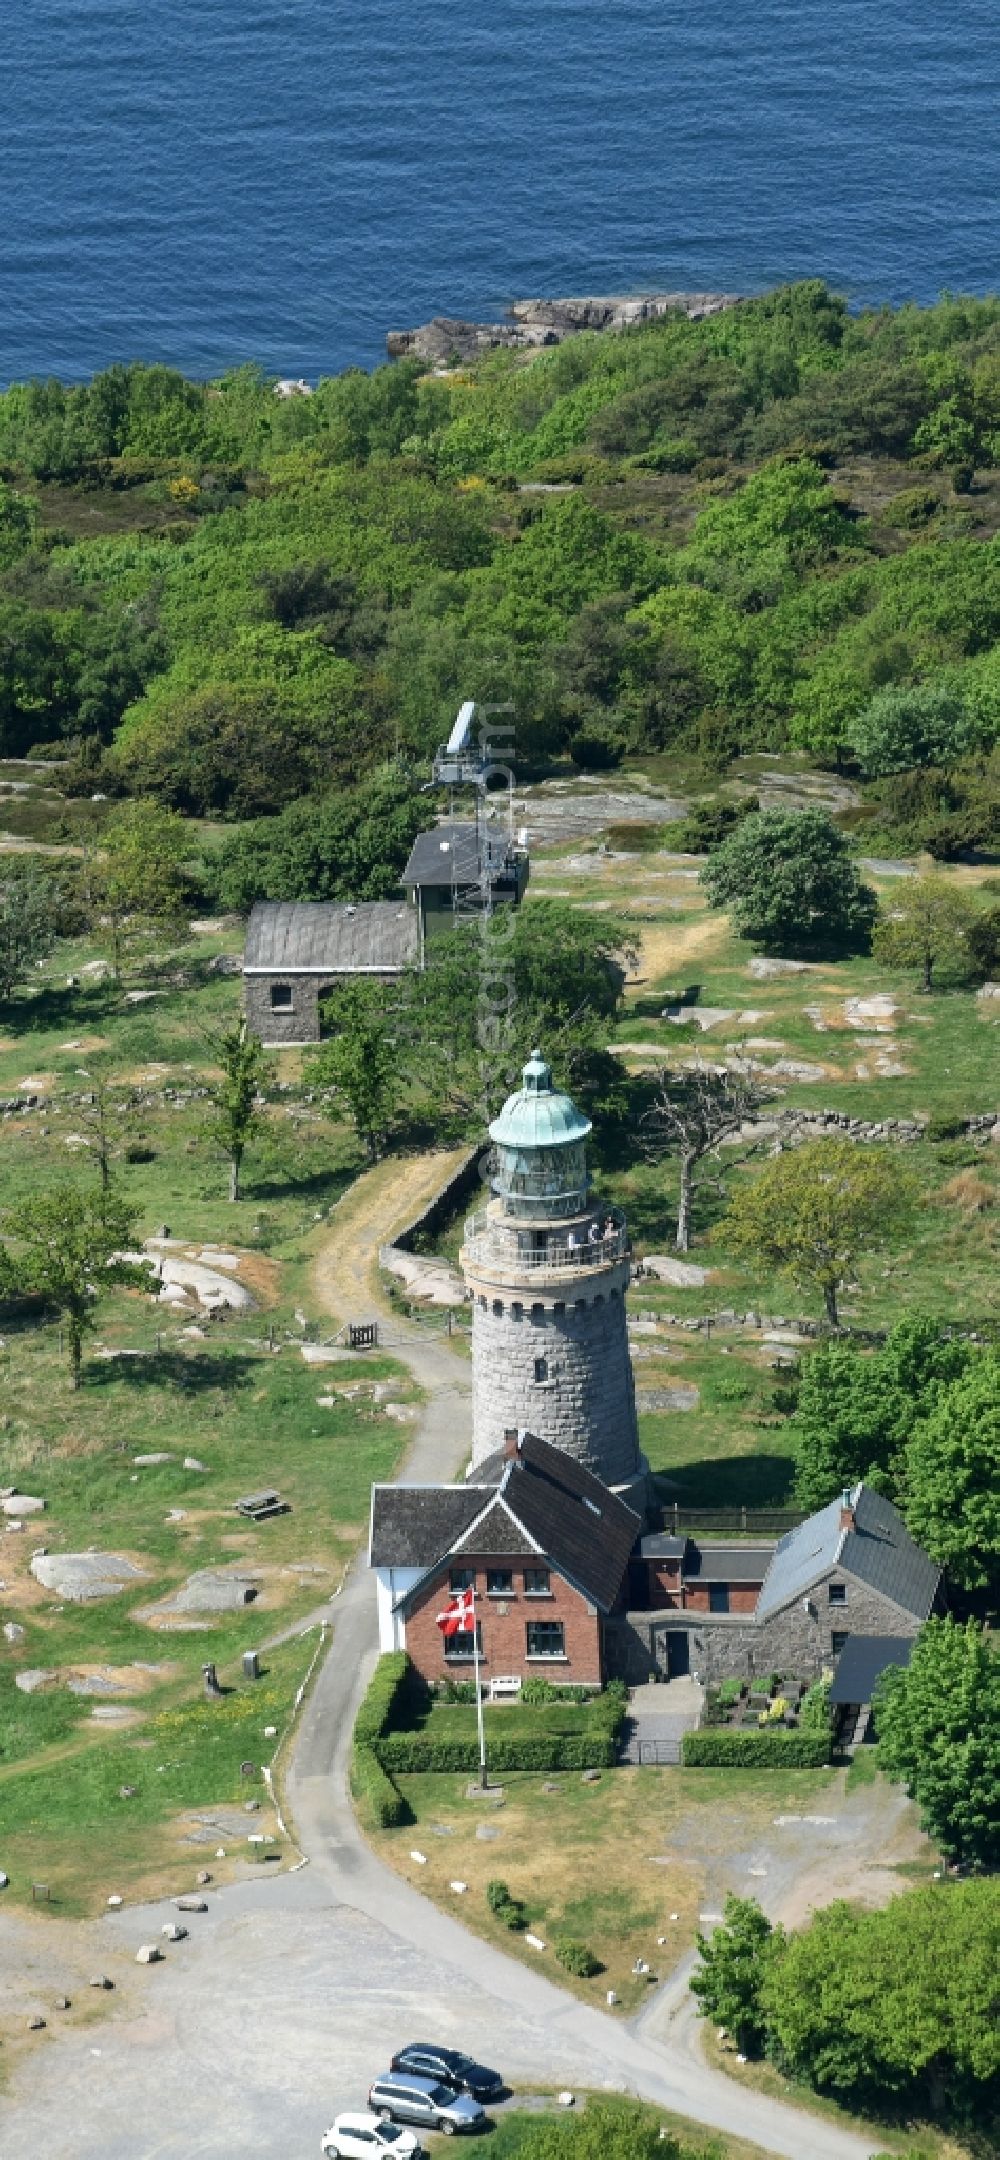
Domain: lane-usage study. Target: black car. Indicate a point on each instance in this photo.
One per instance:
(450, 2067)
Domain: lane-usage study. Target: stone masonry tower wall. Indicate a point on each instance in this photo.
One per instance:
(558, 1367)
(547, 1269)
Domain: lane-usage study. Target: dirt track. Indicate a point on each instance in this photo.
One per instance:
(345, 1272)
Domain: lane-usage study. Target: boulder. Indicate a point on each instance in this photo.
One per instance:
(80, 1577)
(148, 1954)
(13, 1632)
(172, 1931)
(31, 1678)
(191, 1903)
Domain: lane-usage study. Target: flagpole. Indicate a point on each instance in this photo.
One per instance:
(479, 1696)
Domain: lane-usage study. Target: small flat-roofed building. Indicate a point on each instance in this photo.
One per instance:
(455, 860)
(862, 1661)
(298, 951)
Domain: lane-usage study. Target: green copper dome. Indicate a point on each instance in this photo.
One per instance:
(538, 1116)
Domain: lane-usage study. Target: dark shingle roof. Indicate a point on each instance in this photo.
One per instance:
(331, 938)
(569, 1518)
(878, 1550)
(862, 1659)
(412, 1525)
(498, 1532)
(581, 1526)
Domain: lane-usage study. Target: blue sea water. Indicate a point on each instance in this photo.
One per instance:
(209, 181)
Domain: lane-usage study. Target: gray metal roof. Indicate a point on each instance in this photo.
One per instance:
(877, 1550)
(369, 937)
(726, 1563)
(862, 1661)
(451, 853)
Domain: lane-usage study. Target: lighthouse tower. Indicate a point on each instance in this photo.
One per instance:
(547, 1269)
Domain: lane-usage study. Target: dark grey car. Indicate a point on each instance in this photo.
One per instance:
(422, 2100)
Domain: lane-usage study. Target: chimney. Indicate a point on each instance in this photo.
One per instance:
(510, 1444)
(846, 1509)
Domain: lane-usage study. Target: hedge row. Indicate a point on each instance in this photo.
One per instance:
(381, 1698)
(378, 1800)
(762, 1750)
(595, 1749)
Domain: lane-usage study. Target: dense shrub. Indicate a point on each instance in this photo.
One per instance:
(756, 1750)
(507, 1909)
(575, 1958)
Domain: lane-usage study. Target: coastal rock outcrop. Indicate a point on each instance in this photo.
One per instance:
(449, 340)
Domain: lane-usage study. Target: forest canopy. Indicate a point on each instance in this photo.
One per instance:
(777, 527)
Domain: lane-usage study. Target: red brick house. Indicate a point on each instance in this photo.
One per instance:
(545, 1545)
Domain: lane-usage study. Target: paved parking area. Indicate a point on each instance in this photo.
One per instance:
(273, 2016)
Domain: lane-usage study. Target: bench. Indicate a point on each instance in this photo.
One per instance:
(258, 1506)
(506, 1687)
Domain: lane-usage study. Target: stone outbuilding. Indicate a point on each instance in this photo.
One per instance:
(298, 951)
(850, 1570)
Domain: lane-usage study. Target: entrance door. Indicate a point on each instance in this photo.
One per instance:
(678, 1653)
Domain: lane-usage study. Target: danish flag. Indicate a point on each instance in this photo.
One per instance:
(459, 1615)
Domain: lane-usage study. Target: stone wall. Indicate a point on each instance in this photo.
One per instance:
(725, 1646)
(503, 1625)
(295, 1023)
(559, 1368)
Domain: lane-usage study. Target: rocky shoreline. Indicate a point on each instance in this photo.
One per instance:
(447, 340)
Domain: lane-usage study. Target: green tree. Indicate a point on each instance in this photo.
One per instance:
(789, 881)
(139, 885)
(908, 725)
(735, 1959)
(361, 1062)
(938, 1724)
(347, 846)
(27, 920)
(901, 2004)
(857, 1410)
(237, 1097)
(952, 1500)
(67, 1247)
(925, 925)
(18, 520)
(813, 1211)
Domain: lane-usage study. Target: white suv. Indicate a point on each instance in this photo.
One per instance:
(368, 2137)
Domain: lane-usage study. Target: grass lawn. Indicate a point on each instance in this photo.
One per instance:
(514, 2130)
(253, 1419)
(615, 1864)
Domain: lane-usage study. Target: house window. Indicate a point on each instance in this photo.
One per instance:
(460, 1649)
(498, 1308)
(541, 1368)
(837, 1641)
(545, 1639)
(281, 997)
(837, 1592)
(462, 1578)
(718, 1597)
(536, 1582)
(517, 1311)
(499, 1582)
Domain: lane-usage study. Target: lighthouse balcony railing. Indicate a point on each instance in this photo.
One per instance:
(600, 1244)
